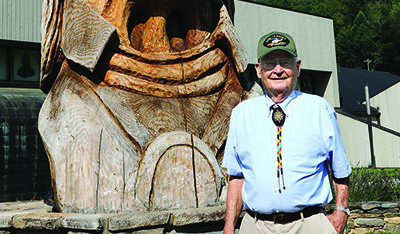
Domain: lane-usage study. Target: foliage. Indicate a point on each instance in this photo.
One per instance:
(364, 29)
(374, 185)
(383, 232)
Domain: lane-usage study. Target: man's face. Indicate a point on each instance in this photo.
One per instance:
(278, 71)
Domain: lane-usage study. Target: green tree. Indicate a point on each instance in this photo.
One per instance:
(390, 40)
(260, 1)
(364, 29)
(356, 43)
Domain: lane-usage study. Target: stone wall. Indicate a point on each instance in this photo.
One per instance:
(374, 217)
(35, 217)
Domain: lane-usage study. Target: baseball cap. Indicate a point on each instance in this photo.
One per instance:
(276, 41)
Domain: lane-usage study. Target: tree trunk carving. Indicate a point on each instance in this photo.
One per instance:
(139, 99)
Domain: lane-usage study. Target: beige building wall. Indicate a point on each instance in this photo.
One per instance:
(20, 20)
(355, 139)
(388, 103)
(314, 38)
(356, 142)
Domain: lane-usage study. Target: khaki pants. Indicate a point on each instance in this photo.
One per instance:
(318, 224)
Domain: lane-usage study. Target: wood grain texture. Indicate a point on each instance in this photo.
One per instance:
(196, 173)
(51, 55)
(144, 117)
(178, 72)
(226, 32)
(144, 133)
(91, 156)
(159, 115)
(223, 33)
(85, 32)
(198, 112)
(112, 159)
(217, 128)
(206, 85)
(121, 104)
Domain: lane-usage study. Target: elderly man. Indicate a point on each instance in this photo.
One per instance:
(278, 151)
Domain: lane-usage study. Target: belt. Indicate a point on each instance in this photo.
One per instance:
(283, 218)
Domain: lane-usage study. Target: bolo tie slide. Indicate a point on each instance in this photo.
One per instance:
(278, 116)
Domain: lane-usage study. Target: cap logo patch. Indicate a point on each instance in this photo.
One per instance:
(276, 40)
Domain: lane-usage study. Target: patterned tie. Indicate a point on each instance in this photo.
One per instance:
(278, 116)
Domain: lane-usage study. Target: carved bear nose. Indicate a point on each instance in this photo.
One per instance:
(171, 25)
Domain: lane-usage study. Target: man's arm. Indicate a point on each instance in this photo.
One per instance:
(233, 203)
(338, 218)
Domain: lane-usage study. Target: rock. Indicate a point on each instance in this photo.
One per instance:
(388, 205)
(370, 205)
(350, 224)
(91, 222)
(393, 210)
(72, 232)
(356, 211)
(391, 215)
(198, 215)
(214, 232)
(367, 215)
(374, 211)
(5, 219)
(394, 220)
(353, 215)
(152, 231)
(355, 205)
(369, 222)
(360, 231)
(23, 206)
(135, 220)
(36, 221)
(392, 228)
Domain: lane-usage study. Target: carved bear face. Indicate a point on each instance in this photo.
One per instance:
(154, 31)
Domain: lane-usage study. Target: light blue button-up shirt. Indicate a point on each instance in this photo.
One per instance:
(310, 139)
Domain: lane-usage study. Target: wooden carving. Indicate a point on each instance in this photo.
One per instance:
(139, 98)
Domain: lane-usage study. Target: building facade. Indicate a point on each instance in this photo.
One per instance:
(24, 169)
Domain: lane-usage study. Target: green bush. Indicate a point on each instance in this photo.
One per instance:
(374, 185)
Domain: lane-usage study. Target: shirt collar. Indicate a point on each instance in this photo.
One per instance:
(284, 105)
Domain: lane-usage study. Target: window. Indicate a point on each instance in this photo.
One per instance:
(19, 64)
(313, 82)
(26, 65)
(3, 63)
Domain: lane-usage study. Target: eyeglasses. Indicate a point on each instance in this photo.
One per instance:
(270, 63)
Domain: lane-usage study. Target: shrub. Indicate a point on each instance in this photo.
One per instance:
(374, 185)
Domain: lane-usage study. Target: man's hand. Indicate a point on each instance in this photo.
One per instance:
(338, 219)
